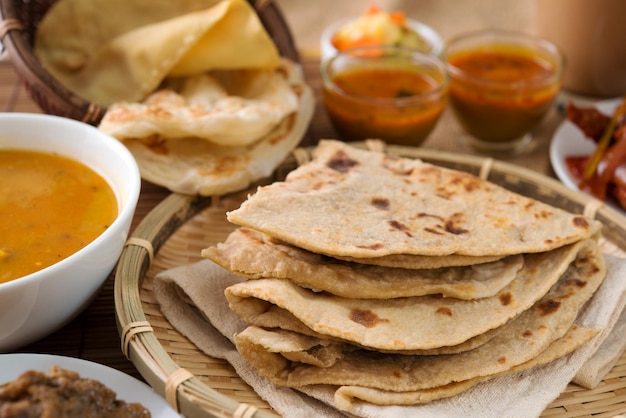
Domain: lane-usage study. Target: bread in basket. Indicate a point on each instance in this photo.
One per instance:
(18, 26)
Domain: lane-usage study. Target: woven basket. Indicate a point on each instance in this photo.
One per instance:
(176, 230)
(18, 26)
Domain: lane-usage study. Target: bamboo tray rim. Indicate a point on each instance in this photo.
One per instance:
(194, 398)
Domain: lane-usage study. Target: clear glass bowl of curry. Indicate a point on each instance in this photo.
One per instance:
(501, 85)
(384, 92)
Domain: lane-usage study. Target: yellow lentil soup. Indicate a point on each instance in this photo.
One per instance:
(51, 207)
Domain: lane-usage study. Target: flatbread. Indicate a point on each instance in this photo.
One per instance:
(278, 318)
(230, 108)
(519, 341)
(356, 203)
(196, 166)
(109, 51)
(255, 255)
(347, 396)
(412, 323)
(412, 261)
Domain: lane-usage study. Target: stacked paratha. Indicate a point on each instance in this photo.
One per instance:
(395, 281)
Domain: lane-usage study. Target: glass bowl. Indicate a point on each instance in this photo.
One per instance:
(501, 86)
(433, 43)
(384, 92)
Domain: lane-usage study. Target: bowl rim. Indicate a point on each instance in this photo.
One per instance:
(127, 206)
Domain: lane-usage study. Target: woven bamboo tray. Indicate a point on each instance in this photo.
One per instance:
(177, 229)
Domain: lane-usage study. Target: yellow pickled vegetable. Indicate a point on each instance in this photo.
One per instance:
(377, 27)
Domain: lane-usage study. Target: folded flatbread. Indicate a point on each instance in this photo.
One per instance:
(229, 108)
(356, 203)
(413, 261)
(347, 396)
(195, 165)
(255, 255)
(109, 51)
(412, 323)
(278, 355)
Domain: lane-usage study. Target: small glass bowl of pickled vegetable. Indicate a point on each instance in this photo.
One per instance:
(502, 84)
(388, 93)
(377, 27)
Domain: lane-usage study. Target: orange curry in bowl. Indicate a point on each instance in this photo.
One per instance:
(51, 207)
(390, 98)
(500, 92)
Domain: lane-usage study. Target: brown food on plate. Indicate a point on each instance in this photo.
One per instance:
(590, 120)
(403, 336)
(602, 174)
(62, 393)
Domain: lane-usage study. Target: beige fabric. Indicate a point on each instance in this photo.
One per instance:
(255, 255)
(415, 323)
(116, 50)
(191, 296)
(358, 203)
(196, 166)
(603, 360)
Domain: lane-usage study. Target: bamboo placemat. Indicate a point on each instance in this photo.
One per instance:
(194, 224)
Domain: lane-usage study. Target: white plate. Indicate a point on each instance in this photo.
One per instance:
(568, 140)
(126, 387)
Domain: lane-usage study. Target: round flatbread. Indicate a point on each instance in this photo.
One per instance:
(255, 255)
(193, 165)
(349, 202)
(520, 340)
(412, 323)
(347, 396)
(228, 108)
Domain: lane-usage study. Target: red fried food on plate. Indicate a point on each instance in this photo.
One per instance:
(602, 174)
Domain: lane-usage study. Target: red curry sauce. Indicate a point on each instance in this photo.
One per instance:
(364, 108)
(503, 92)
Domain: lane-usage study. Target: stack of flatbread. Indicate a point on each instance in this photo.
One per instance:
(397, 282)
(195, 89)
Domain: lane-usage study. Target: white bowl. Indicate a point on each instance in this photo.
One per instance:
(435, 41)
(37, 304)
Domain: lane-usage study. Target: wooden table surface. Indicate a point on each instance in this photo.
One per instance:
(93, 335)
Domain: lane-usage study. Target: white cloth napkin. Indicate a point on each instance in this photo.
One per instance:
(192, 299)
